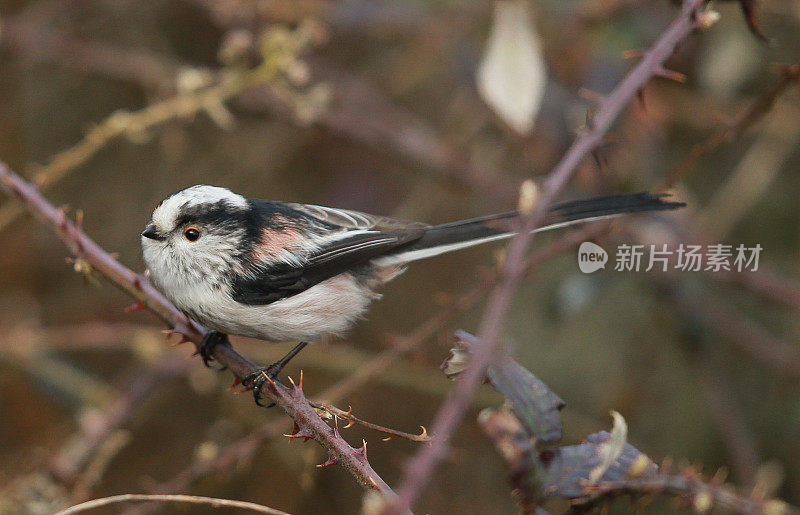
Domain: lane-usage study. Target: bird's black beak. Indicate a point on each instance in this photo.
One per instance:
(151, 232)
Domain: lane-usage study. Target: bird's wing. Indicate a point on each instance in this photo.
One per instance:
(355, 220)
(350, 239)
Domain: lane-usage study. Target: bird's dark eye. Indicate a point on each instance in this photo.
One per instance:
(191, 233)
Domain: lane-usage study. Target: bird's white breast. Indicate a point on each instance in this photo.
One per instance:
(329, 307)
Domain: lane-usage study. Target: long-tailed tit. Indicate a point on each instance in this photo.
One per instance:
(281, 271)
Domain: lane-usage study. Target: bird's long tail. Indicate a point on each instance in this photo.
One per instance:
(448, 237)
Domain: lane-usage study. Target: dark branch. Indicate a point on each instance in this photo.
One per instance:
(421, 466)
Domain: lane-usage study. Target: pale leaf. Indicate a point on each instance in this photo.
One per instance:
(512, 76)
(612, 450)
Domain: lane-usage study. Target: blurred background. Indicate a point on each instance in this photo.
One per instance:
(403, 109)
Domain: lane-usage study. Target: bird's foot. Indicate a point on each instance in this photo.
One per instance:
(257, 379)
(211, 340)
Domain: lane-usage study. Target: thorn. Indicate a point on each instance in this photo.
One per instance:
(390, 437)
(291, 381)
(349, 411)
(236, 382)
(299, 433)
(114, 255)
(336, 427)
(350, 424)
(331, 461)
(424, 433)
(136, 306)
(361, 452)
(137, 283)
(670, 75)
(79, 218)
(591, 96)
(300, 384)
(184, 339)
(63, 224)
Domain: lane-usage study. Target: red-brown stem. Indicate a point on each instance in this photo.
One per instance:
(291, 400)
(420, 467)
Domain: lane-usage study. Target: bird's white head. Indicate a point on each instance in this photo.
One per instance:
(194, 234)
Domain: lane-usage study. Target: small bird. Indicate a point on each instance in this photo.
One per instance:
(281, 271)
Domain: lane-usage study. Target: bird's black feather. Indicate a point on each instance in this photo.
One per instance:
(374, 237)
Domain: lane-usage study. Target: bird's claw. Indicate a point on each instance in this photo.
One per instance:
(211, 340)
(259, 378)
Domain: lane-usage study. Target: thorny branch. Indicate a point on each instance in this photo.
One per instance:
(242, 450)
(184, 499)
(691, 486)
(351, 419)
(94, 259)
(566, 473)
(421, 466)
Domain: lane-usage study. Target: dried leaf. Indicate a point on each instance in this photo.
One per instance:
(512, 76)
(568, 469)
(456, 362)
(533, 402)
(536, 405)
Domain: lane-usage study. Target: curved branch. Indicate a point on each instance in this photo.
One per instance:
(421, 466)
(90, 257)
(187, 499)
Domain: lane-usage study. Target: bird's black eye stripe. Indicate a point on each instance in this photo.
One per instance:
(191, 233)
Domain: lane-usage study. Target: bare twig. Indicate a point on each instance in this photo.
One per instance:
(420, 467)
(690, 485)
(211, 95)
(291, 400)
(360, 111)
(352, 419)
(185, 499)
(743, 121)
